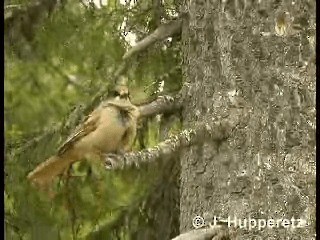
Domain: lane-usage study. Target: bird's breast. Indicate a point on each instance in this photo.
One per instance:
(108, 134)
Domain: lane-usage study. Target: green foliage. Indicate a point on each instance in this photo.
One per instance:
(72, 56)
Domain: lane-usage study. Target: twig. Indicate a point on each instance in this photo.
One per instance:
(70, 207)
(13, 6)
(69, 80)
(162, 32)
(163, 104)
(15, 228)
(216, 232)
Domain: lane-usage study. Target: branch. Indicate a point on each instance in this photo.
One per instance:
(69, 79)
(215, 233)
(15, 228)
(70, 204)
(162, 32)
(163, 104)
(30, 142)
(215, 131)
(161, 79)
(6, 7)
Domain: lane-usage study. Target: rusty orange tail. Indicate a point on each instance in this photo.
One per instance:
(45, 172)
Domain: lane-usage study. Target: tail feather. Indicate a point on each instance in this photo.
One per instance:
(45, 172)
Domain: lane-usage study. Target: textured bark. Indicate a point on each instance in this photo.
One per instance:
(265, 169)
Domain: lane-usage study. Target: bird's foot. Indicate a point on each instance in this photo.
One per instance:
(111, 160)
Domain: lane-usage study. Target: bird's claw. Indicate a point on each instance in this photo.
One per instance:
(110, 160)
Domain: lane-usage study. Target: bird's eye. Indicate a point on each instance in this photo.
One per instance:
(115, 93)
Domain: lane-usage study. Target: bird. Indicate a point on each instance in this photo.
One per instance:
(288, 25)
(110, 128)
(282, 23)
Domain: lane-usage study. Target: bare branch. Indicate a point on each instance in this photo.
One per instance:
(13, 6)
(72, 80)
(216, 232)
(163, 104)
(162, 32)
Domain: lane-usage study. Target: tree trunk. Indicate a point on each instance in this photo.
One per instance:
(265, 169)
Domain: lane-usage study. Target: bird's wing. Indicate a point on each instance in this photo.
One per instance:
(89, 125)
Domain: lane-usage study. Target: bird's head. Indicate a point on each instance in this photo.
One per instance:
(121, 100)
(121, 92)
